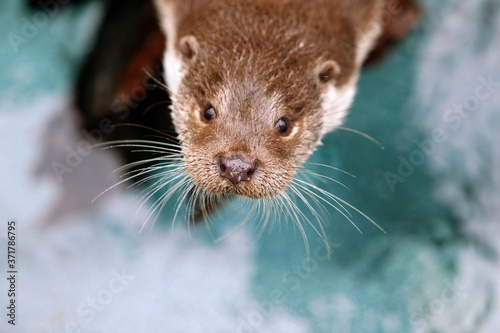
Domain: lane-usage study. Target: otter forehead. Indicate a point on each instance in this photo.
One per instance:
(290, 31)
(248, 103)
(248, 82)
(292, 35)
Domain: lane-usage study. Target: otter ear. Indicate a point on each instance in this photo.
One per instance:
(189, 47)
(327, 71)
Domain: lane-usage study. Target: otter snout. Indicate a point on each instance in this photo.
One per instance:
(236, 168)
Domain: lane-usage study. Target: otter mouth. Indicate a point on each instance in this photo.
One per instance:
(237, 174)
(245, 189)
(245, 185)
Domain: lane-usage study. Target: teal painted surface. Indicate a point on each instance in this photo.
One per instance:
(373, 282)
(40, 52)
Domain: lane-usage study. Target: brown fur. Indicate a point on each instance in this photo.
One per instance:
(256, 61)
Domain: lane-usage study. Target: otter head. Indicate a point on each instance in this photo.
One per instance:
(249, 104)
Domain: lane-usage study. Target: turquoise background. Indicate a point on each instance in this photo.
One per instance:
(432, 271)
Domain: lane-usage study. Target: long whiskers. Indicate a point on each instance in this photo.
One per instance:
(152, 106)
(160, 84)
(324, 195)
(363, 134)
(165, 176)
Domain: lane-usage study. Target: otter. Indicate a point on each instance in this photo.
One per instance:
(256, 84)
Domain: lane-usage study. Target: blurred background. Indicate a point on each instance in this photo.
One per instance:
(432, 102)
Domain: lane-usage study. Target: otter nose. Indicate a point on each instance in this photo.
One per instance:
(236, 168)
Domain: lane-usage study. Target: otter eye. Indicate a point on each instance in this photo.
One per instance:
(209, 113)
(283, 126)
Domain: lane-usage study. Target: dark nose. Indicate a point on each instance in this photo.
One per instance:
(236, 168)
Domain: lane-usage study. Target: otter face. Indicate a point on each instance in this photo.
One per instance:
(240, 141)
(251, 102)
(255, 85)
(245, 127)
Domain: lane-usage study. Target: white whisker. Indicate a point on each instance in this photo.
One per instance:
(330, 167)
(318, 175)
(319, 197)
(163, 198)
(294, 214)
(364, 135)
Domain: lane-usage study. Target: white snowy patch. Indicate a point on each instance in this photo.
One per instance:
(90, 269)
(460, 78)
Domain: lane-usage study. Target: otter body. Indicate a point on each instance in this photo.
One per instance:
(256, 84)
